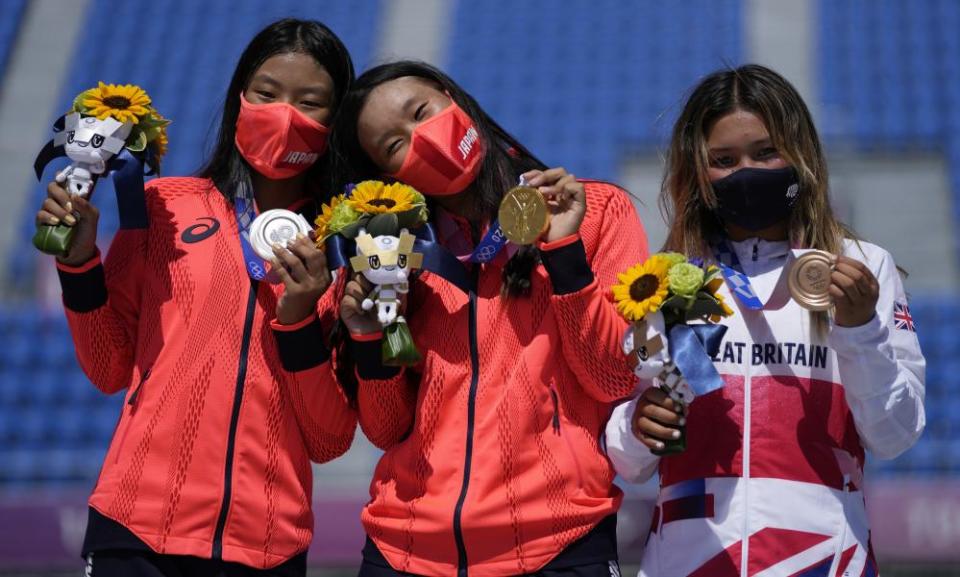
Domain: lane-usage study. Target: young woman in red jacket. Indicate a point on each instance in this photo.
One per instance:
(209, 471)
(493, 462)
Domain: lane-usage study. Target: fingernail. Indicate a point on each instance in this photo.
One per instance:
(69, 207)
(54, 220)
(276, 246)
(675, 434)
(69, 219)
(660, 445)
(683, 421)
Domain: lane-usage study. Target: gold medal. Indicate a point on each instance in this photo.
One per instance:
(523, 215)
(809, 280)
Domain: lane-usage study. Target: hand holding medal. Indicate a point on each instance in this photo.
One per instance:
(548, 204)
(820, 281)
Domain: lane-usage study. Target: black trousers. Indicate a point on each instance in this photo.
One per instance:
(128, 563)
(593, 555)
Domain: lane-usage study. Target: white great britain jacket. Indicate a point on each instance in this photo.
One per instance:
(770, 482)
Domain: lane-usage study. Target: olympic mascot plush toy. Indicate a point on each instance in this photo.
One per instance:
(109, 129)
(376, 217)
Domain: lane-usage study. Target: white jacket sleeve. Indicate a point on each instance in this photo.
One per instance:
(632, 459)
(882, 369)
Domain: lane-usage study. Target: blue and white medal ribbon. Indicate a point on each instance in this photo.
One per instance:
(243, 206)
(737, 281)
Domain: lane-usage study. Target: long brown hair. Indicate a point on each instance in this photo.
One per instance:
(687, 199)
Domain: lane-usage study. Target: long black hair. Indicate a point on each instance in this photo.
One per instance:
(226, 167)
(505, 159)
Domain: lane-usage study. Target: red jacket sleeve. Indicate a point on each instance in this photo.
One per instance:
(591, 331)
(323, 412)
(387, 396)
(102, 305)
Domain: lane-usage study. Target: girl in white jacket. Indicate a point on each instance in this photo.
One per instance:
(770, 482)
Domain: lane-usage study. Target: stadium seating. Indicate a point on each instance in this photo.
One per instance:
(583, 95)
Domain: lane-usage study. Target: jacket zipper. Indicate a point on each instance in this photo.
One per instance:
(471, 417)
(756, 251)
(234, 418)
(556, 410)
(132, 403)
(745, 550)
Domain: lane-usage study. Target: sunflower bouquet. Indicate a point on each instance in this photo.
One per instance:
(101, 123)
(377, 218)
(669, 297)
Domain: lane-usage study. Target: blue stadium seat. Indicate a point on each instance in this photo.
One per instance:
(607, 97)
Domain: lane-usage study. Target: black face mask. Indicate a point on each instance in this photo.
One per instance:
(755, 198)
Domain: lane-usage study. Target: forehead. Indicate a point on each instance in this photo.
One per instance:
(385, 102)
(737, 128)
(294, 68)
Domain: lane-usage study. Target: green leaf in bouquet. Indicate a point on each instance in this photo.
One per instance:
(153, 121)
(705, 306)
(711, 275)
(351, 230)
(399, 349)
(673, 316)
(385, 223)
(137, 141)
(676, 302)
(410, 218)
(78, 105)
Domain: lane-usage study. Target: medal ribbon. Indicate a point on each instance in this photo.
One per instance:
(243, 207)
(737, 281)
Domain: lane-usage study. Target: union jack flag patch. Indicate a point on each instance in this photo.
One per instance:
(902, 319)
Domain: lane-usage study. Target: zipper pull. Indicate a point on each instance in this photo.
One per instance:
(756, 250)
(136, 394)
(556, 411)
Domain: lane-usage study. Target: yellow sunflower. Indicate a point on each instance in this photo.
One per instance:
(122, 102)
(642, 288)
(323, 219)
(375, 197)
(161, 142)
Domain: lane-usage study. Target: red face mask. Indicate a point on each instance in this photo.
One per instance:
(278, 140)
(444, 155)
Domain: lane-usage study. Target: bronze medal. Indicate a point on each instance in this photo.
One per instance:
(809, 280)
(523, 215)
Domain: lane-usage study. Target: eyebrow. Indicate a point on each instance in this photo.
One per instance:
(760, 141)
(264, 77)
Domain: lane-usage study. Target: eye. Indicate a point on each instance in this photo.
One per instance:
(265, 94)
(419, 112)
(724, 161)
(70, 136)
(393, 146)
(768, 152)
(97, 140)
(402, 260)
(374, 262)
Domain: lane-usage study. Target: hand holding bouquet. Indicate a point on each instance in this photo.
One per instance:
(673, 307)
